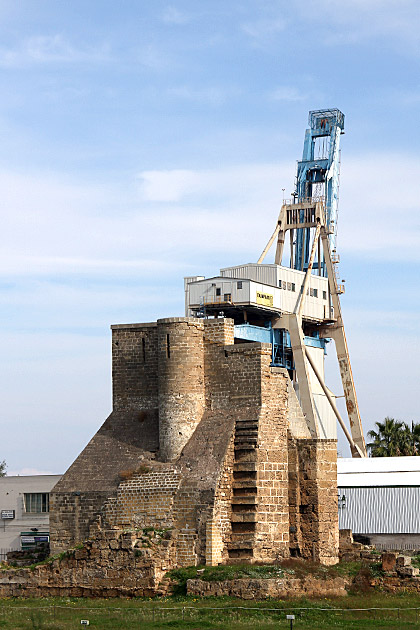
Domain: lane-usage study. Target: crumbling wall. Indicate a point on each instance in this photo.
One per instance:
(113, 564)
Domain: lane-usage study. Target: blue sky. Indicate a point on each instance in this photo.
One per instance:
(145, 141)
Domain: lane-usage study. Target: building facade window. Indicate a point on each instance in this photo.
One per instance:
(36, 502)
(218, 291)
(239, 285)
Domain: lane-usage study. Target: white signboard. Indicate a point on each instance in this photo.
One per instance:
(7, 514)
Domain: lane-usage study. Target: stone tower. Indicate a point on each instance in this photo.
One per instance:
(206, 440)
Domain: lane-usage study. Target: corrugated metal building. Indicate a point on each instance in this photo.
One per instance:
(379, 498)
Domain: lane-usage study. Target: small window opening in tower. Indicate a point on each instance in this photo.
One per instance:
(143, 346)
(168, 347)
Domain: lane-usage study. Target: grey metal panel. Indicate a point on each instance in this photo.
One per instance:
(381, 510)
(266, 274)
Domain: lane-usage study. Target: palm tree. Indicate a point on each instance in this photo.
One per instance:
(392, 439)
(415, 431)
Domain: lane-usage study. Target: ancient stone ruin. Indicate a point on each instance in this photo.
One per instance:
(207, 445)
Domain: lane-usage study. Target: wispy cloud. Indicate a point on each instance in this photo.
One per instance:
(372, 187)
(54, 226)
(360, 20)
(287, 93)
(210, 95)
(173, 15)
(261, 30)
(50, 49)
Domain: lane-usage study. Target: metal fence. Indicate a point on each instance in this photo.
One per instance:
(128, 617)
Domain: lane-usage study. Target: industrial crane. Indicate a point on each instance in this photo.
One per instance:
(296, 307)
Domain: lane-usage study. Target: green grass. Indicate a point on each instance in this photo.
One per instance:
(211, 613)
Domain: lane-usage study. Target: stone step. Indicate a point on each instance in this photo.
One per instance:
(246, 421)
(244, 517)
(241, 541)
(244, 466)
(244, 475)
(245, 500)
(245, 433)
(244, 484)
(248, 456)
(246, 446)
(246, 438)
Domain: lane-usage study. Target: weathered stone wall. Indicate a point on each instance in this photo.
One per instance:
(144, 500)
(317, 470)
(94, 476)
(275, 588)
(114, 564)
(272, 532)
(135, 366)
(181, 382)
(219, 524)
(294, 496)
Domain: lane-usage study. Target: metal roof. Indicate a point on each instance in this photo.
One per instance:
(378, 471)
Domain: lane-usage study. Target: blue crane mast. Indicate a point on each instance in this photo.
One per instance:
(318, 179)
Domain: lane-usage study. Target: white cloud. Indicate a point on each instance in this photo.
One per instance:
(380, 207)
(260, 30)
(359, 20)
(53, 225)
(210, 95)
(49, 49)
(240, 183)
(287, 93)
(172, 15)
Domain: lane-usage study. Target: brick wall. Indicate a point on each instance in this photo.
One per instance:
(145, 500)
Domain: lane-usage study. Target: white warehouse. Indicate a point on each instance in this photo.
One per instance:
(379, 498)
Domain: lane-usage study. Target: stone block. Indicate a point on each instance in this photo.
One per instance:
(407, 571)
(403, 561)
(389, 561)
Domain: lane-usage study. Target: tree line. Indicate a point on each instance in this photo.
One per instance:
(393, 438)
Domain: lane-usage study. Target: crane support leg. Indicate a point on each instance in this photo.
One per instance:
(269, 244)
(339, 336)
(293, 325)
(337, 333)
(356, 452)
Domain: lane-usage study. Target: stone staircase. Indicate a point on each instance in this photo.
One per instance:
(245, 499)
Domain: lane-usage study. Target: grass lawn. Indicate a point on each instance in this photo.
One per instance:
(227, 613)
